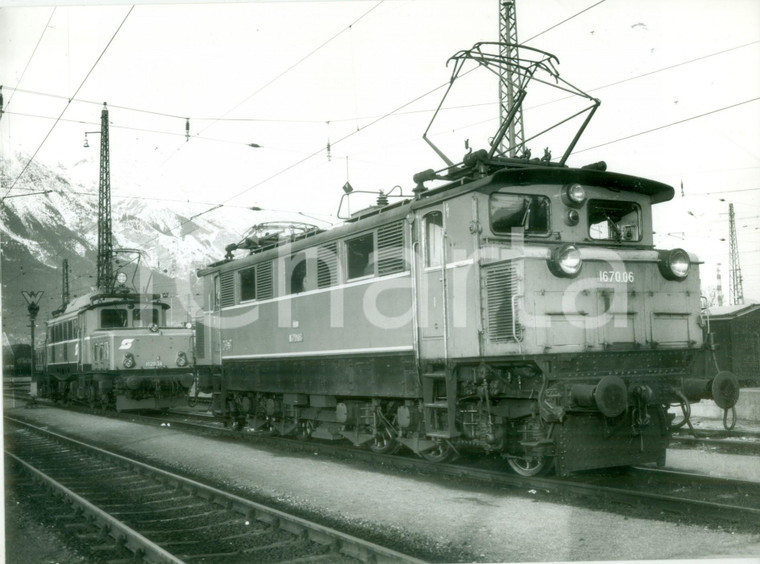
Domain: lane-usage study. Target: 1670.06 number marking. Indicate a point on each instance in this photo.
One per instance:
(615, 276)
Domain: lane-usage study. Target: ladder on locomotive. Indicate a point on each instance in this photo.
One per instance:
(439, 396)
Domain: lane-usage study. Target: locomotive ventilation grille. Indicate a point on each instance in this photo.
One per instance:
(327, 265)
(501, 287)
(390, 248)
(227, 284)
(264, 281)
(200, 340)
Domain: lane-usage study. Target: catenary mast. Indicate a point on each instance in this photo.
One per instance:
(508, 88)
(736, 292)
(105, 243)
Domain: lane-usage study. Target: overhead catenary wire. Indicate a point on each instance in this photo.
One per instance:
(348, 28)
(284, 72)
(563, 22)
(140, 129)
(658, 128)
(34, 51)
(321, 149)
(87, 76)
(381, 117)
(336, 119)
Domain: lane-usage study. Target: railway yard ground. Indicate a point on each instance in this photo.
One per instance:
(456, 521)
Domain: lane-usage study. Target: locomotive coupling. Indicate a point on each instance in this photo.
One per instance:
(609, 396)
(723, 389)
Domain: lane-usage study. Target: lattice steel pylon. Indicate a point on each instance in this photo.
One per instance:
(508, 85)
(105, 243)
(736, 292)
(65, 295)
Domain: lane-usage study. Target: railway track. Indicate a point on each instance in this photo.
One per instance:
(719, 440)
(650, 491)
(122, 509)
(645, 491)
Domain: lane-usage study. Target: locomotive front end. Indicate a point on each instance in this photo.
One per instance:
(153, 366)
(607, 328)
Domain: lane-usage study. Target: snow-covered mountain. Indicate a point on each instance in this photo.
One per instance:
(39, 231)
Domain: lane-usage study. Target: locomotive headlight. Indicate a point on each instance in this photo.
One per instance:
(121, 278)
(574, 195)
(565, 261)
(572, 217)
(674, 264)
(181, 360)
(129, 360)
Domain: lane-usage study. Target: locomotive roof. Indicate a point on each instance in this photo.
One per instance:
(92, 300)
(657, 191)
(529, 173)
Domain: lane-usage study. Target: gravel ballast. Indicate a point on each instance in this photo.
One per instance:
(460, 522)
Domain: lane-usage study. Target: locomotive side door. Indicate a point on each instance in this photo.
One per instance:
(214, 322)
(431, 274)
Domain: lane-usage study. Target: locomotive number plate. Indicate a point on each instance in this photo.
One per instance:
(615, 276)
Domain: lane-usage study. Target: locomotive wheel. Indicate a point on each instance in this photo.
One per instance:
(105, 402)
(268, 428)
(303, 430)
(92, 397)
(384, 443)
(531, 465)
(441, 452)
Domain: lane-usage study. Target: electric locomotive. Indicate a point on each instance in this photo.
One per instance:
(112, 348)
(519, 307)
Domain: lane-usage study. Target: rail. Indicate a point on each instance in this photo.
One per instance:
(339, 543)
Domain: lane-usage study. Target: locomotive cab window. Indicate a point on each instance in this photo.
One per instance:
(516, 211)
(434, 239)
(113, 318)
(145, 317)
(360, 256)
(614, 220)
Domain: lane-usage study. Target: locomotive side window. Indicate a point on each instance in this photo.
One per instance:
(216, 300)
(614, 220)
(113, 318)
(360, 256)
(248, 284)
(515, 211)
(433, 239)
(144, 317)
(297, 268)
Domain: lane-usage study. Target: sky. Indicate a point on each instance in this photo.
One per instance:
(678, 81)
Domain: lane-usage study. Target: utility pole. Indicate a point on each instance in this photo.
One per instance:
(508, 87)
(105, 243)
(736, 292)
